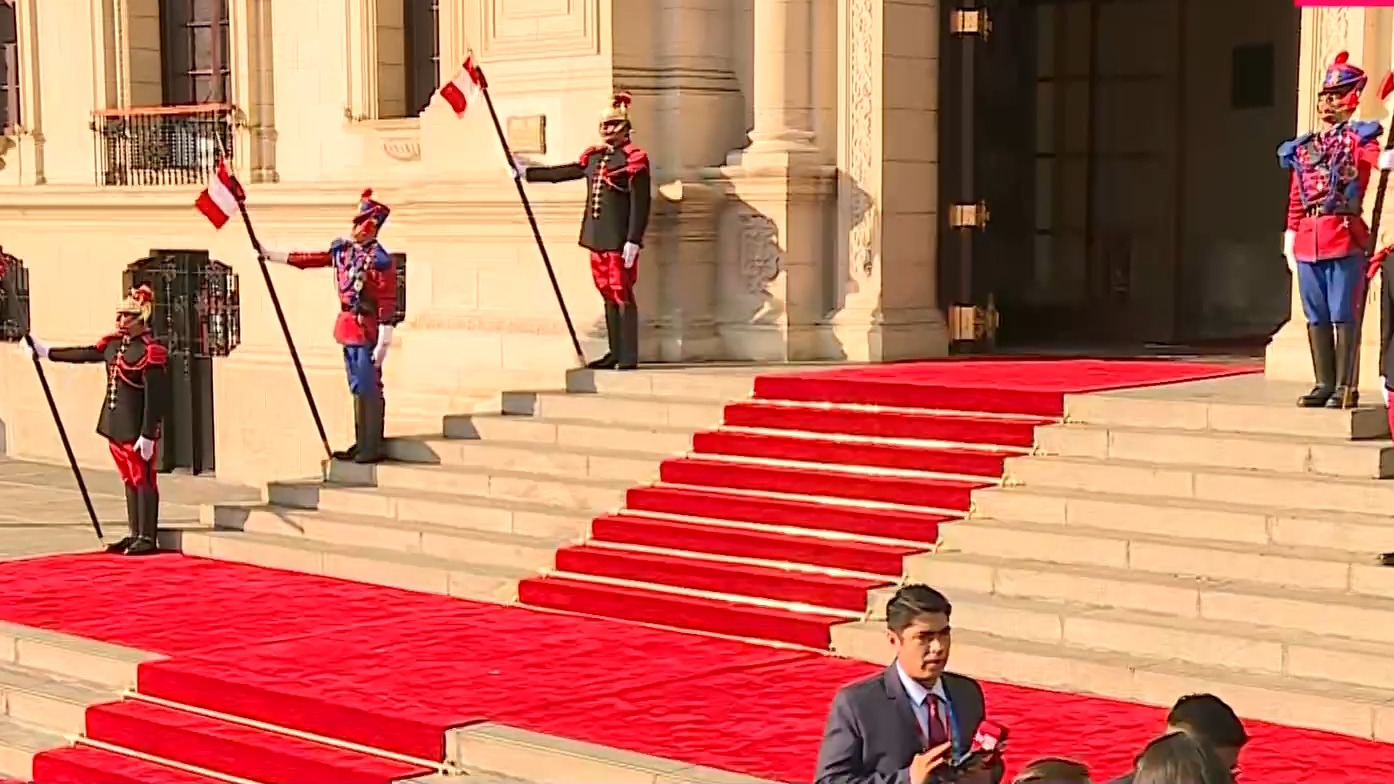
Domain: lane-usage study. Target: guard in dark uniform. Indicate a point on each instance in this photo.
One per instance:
(133, 412)
(613, 226)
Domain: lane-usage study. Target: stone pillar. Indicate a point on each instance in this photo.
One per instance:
(683, 244)
(783, 88)
(1326, 31)
(249, 28)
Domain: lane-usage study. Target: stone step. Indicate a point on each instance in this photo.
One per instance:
(1252, 451)
(49, 701)
(570, 433)
(1323, 705)
(1250, 404)
(697, 382)
(623, 409)
(1294, 567)
(1349, 615)
(407, 571)
(101, 664)
(19, 744)
(1187, 518)
(1246, 647)
(1205, 483)
(638, 466)
(467, 512)
(559, 488)
(454, 543)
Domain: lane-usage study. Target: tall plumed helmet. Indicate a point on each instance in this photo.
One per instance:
(1342, 76)
(619, 109)
(371, 209)
(140, 302)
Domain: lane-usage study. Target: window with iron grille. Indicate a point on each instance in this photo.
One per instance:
(9, 66)
(423, 52)
(195, 52)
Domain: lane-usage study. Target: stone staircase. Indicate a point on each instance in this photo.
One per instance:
(486, 504)
(1201, 537)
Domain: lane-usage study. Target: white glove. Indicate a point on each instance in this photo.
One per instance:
(146, 448)
(275, 255)
(1384, 390)
(1386, 160)
(36, 351)
(384, 343)
(1289, 252)
(518, 168)
(630, 254)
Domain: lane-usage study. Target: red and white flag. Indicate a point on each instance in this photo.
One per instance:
(464, 89)
(219, 200)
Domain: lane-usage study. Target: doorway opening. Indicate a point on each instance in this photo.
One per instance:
(197, 316)
(1124, 153)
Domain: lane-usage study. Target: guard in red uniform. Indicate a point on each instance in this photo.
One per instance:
(1326, 237)
(133, 413)
(613, 226)
(366, 279)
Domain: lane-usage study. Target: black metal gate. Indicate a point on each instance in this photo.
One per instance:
(197, 316)
(399, 261)
(14, 299)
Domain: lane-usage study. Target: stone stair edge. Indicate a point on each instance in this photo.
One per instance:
(532, 446)
(472, 470)
(1187, 468)
(31, 647)
(1372, 444)
(345, 518)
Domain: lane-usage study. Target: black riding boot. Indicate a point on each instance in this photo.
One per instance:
(132, 522)
(612, 334)
(147, 534)
(370, 446)
(1345, 354)
(352, 451)
(628, 354)
(1321, 339)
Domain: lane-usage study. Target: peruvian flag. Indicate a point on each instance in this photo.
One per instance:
(464, 89)
(219, 200)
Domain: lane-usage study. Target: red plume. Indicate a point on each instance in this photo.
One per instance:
(1386, 87)
(623, 98)
(1341, 58)
(143, 294)
(367, 193)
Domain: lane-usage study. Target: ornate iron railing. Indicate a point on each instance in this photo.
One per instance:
(161, 145)
(14, 298)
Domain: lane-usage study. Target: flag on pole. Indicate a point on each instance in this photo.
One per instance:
(464, 89)
(219, 200)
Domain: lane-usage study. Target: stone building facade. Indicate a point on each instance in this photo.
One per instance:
(807, 157)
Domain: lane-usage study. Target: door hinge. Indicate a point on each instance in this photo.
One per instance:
(974, 324)
(968, 215)
(970, 22)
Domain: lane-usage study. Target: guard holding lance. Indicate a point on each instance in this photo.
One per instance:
(366, 279)
(133, 411)
(613, 226)
(1326, 237)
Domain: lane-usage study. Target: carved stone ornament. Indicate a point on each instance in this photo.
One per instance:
(861, 161)
(761, 258)
(405, 150)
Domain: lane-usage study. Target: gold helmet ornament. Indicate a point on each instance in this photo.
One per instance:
(140, 302)
(619, 109)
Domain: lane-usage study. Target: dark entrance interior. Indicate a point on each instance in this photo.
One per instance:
(196, 316)
(1124, 152)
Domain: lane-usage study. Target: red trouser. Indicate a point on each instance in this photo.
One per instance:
(614, 282)
(135, 470)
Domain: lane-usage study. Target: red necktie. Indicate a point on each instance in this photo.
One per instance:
(938, 728)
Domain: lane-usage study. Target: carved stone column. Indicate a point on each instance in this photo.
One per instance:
(683, 240)
(784, 95)
(249, 28)
(29, 133)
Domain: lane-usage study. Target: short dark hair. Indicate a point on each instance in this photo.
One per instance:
(912, 602)
(1209, 717)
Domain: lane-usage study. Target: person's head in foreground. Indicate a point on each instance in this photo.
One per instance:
(917, 625)
(1053, 770)
(1180, 758)
(1209, 718)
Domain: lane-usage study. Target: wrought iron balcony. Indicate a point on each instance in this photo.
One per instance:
(161, 145)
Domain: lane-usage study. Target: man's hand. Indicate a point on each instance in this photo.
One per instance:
(1290, 249)
(35, 348)
(146, 448)
(519, 167)
(630, 254)
(1386, 160)
(922, 767)
(273, 256)
(979, 772)
(383, 344)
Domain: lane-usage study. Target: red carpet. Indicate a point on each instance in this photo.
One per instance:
(819, 488)
(394, 669)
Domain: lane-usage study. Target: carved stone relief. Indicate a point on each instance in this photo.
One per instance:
(861, 53)
(761, 259)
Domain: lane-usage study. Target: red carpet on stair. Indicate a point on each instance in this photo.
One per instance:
(393, 669)
(843, 470)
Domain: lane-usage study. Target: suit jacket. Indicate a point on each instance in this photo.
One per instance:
(872, 734)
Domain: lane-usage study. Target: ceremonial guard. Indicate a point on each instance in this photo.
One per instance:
(1326, 238)
(613, 226)
(134, 411)
(366, 280)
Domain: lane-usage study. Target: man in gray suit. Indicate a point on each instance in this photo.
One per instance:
(907, 725)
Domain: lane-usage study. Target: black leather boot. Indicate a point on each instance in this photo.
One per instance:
(147, 534)
(352, 451)
(132, 522)
(370, 447)
(1322, 341)
(612, 334)
(1344, 396)
(628, 354)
